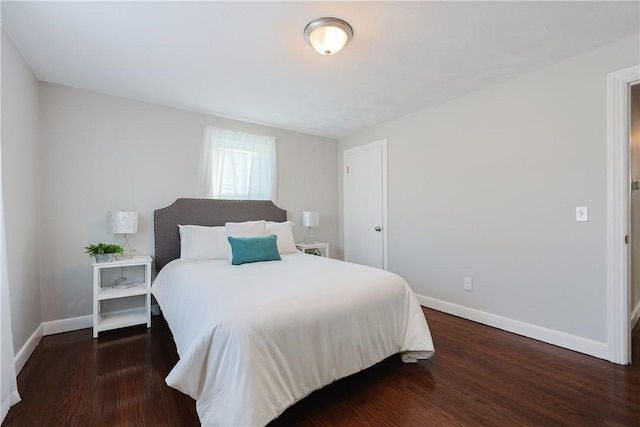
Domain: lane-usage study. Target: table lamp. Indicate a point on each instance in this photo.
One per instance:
(309, 219)
(124, 222)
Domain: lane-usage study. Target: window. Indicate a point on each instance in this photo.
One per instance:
(237, 165)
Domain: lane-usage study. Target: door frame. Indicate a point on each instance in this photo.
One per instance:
(618, 214)
(347, 152)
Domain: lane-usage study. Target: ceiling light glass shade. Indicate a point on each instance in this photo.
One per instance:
(328, 35)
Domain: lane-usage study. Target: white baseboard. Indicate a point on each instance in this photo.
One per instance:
(49, 328)
(561, 339)
(67, 325)
(25, 352)
(56, 327)
(635, 314)
(80, 322)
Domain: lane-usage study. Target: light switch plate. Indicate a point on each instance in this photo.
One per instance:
(582, 213)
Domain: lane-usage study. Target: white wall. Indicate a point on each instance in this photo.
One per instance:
(102, 153)
(486, 187)
(20, 181)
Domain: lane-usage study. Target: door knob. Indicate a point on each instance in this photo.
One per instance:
(378, 228)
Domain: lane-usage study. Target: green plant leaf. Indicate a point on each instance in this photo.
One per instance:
(103, 248)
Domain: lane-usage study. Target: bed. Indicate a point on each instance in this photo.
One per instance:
(255, 338)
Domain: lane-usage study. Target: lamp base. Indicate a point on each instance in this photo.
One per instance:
(309, 238)
(128, 252)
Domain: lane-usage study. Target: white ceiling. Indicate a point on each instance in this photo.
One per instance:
(250, 61)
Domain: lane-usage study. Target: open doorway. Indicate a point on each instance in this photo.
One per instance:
(619, 230)
(634, 206)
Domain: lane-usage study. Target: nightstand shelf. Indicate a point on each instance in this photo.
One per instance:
(105, 320)
(120, 319)
(315, 248)
(107, 292)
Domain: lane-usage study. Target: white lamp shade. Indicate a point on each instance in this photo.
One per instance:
(123, 222)
(310, 219)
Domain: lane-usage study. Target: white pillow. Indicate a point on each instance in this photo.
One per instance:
(199, 242)
(284, 231)
(246, 229)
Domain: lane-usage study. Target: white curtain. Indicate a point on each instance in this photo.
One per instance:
(237, 165)
(8, 388)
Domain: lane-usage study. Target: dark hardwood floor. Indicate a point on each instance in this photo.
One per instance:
(479, 376)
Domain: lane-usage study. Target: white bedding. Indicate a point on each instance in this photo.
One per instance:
(255, 338)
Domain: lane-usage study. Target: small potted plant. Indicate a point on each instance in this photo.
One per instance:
(103, 252)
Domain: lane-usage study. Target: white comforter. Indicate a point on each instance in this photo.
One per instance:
(254, 339)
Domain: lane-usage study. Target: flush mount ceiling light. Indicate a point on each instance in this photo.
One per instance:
(328, 35)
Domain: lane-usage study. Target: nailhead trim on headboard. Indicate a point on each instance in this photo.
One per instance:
(207, 212)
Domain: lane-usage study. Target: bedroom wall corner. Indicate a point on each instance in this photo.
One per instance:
(21, 174)
(494, 199)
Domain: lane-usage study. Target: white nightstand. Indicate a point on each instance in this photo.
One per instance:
(104, 320)
(315, 248)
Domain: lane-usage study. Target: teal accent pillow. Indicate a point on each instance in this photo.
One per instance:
(254, 249)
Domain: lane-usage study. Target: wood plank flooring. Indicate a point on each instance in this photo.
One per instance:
(479, 376)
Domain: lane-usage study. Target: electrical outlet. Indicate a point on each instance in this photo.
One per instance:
(468, 284)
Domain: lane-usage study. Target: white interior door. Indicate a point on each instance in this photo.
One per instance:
(365, 204)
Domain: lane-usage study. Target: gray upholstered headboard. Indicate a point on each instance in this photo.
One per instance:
(207, 212)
